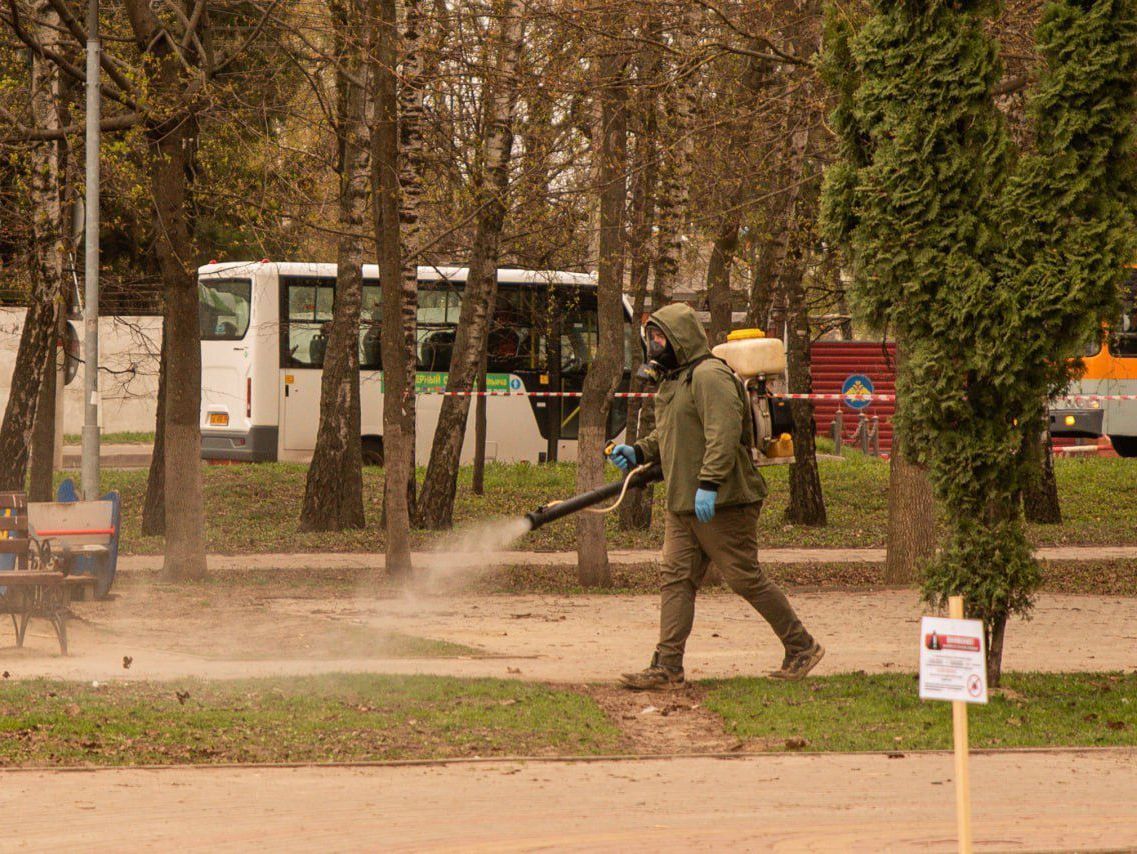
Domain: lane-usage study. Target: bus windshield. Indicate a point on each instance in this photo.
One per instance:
(223, 308)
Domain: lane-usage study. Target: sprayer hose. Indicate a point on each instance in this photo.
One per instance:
(623, 492)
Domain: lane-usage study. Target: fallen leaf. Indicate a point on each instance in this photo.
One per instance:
(796, 744)
(649, 710)
(513, 670)
(7, 674)
(1118, 725)
(182, 696)
(896, 756)
(127, 661)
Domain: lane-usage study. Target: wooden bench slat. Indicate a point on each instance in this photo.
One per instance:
(14, 546)
(23, 578)
(16, 500)
(76, 532)
(13, 523)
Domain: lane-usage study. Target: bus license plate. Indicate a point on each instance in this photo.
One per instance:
(219, 419)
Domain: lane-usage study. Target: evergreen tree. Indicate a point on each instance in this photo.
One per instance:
(993, 269)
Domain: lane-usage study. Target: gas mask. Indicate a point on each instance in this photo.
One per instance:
(659, 357)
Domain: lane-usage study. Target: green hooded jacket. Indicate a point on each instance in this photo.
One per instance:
(703, 429)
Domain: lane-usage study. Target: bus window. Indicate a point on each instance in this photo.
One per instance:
(1123, 340)
(516, 337)
(223, 308)
(309, 302)
(438, 311)
(579, 338)
(370, 319)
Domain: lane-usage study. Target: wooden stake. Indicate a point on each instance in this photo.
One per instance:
(959, 734)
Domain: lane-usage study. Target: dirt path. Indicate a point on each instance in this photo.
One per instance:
(370, 560)
(1080, 801)
(252, 631)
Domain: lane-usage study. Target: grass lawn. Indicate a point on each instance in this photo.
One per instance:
(884, 712)
(254, 508)
(365, 717)
(123, 438)
(336, 717)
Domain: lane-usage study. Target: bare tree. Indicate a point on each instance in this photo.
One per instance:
(41, 322)
(735, 206)
(604, 374)
(436, 505)
(635, 512)
(154, 505)
(333, 494)
(398, 357)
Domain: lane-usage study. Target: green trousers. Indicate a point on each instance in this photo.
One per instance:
(730, 541)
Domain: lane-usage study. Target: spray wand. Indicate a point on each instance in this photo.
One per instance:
(639, 476)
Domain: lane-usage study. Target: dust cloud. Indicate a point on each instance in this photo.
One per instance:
(466, 553)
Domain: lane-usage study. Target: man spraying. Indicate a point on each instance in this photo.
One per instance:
(714, 493)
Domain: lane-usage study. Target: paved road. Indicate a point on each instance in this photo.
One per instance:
(839, 802)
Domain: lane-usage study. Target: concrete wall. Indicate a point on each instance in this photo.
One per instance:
(128, 379)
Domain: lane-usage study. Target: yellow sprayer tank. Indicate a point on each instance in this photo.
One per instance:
(751, 354)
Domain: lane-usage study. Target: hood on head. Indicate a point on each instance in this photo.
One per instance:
(681, 325)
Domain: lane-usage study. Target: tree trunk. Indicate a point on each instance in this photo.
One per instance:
(154, 506)
(718, 274)
(635, 512)
(676, 161)
(172, 139)
(398, 359)
(1040, 497)
(996, 630)
(911, 509)
(807, 503)
(43, 435)
(725, 247)
(41, 322)
(185, 510)
(478, 481)
(436, 506)
(603, 375)
(333, 495)
(410, 91)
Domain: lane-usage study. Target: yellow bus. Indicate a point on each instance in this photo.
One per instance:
(1111, 373)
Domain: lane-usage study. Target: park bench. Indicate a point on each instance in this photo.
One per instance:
(31, 584)
(79, 536)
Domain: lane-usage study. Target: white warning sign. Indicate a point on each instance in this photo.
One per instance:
(953, 660)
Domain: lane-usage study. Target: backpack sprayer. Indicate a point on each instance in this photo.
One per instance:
(757, 361)
(760, 364)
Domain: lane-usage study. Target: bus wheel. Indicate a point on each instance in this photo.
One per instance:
(1126, 446)
(373, 450)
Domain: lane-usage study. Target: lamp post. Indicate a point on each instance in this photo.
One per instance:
(90, 466)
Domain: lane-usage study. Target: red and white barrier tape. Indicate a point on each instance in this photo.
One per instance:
(1077, 398)
(644, 394)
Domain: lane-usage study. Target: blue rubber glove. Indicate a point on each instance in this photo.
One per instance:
(705, 504)
(623, 457)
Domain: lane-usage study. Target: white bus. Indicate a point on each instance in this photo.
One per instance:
(263, 340)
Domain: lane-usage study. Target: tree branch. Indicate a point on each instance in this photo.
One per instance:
(108, 63)
(73, 71)
(253, 36)
(24, 133)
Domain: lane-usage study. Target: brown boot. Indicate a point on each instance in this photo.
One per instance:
(656, 677)
(797, 667)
